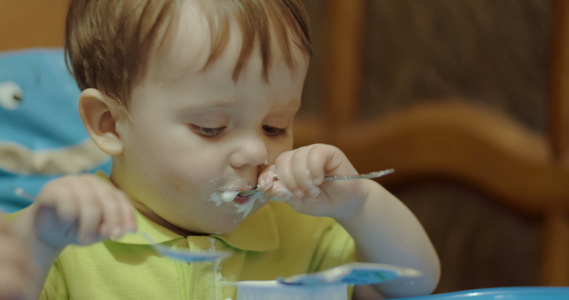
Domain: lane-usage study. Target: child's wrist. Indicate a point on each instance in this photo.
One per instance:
(351, 216)
(370, 204)
(44, 253)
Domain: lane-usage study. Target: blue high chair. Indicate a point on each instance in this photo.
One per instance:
(505, 293)
(41, 134)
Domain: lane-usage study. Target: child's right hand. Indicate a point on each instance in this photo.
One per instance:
(17, 266)
(81, 209)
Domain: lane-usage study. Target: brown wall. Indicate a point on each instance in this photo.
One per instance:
(31, 23)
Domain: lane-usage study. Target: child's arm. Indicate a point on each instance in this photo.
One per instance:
(77, 209)
(384, 230)
(17, 266)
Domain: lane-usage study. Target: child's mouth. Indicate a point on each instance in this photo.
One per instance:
(240, 199)
(221, 197)
(244, 202)
(229, 196)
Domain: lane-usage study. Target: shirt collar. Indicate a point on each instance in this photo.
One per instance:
(259, 232)
(158, 233)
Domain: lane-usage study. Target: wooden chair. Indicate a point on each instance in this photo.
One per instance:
(490, 151)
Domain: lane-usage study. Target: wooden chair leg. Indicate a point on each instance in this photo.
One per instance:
(555, 267)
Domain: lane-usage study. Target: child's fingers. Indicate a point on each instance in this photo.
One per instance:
(108, 213)
(291, 171)
(90, 218)
(285, 174)
(316, 164)
(269, 183)
(267, 178)
(86, 194)
(303, 170)
(82, 209)
(58, 199)
(118, 214)
(304, 184)
(111, 213)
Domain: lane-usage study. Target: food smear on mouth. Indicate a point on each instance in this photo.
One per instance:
(223, 197)
(247, 206)
(244, 204)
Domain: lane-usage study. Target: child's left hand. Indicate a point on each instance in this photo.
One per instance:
(374, 218)
(298, 178)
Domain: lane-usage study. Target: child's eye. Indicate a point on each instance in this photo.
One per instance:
(274, 131)
(206, 131)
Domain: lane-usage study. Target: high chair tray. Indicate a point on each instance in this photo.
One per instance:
(509, 293)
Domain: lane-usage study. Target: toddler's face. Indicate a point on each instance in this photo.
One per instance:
(194, 132)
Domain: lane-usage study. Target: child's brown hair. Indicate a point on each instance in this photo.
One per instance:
(108, 42)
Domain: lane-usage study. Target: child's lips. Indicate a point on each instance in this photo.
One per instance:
(240, 199)
(234, 195)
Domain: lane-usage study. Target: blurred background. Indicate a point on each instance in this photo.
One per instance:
(463, 98)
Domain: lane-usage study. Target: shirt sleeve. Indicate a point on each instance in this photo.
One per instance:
(336, 247)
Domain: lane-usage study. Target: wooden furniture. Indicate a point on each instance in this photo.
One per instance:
(490, 151)
(31, 23)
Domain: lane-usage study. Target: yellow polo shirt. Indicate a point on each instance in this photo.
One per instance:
(274, 241)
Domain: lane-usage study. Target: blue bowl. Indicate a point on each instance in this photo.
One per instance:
(506, 293)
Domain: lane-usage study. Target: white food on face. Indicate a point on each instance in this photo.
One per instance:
(228, 196)
(246, 207)
(223, 197)
(216, 198)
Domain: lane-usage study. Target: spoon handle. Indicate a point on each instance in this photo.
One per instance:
(375, 174)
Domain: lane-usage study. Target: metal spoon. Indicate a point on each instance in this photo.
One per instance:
(375, 174)
(185, 255)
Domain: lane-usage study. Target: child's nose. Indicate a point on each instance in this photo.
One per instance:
(250, 150)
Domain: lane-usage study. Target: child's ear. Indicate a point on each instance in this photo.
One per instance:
(100, 115)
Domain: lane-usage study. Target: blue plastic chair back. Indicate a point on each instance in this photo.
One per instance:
(39, 115)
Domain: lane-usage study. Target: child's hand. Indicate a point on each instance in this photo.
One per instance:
(81, 209)
(17, 266)
(298, 177)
